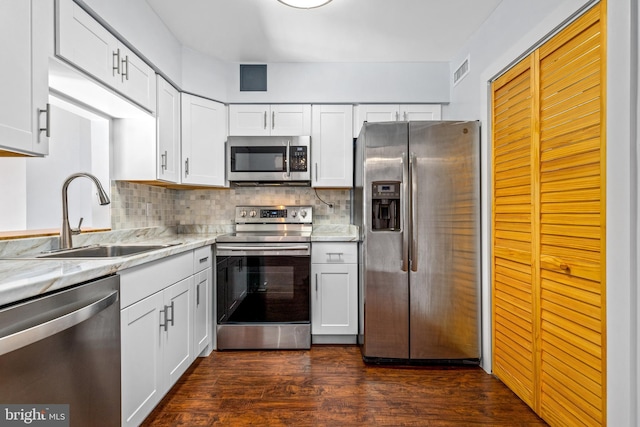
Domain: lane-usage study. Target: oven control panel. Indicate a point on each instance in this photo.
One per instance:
(274, 214)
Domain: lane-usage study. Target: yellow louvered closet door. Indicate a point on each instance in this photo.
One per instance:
(572, 225)
(549, 226)
(513, 274)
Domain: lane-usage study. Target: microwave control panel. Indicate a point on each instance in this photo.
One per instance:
(298, 158)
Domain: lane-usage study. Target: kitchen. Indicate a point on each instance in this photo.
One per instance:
(510, 31)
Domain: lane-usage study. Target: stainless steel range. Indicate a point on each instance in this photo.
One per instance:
(263, 279)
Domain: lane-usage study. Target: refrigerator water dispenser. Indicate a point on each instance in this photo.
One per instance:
(385, 206)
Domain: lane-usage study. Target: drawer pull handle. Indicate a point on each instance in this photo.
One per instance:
(204, 259)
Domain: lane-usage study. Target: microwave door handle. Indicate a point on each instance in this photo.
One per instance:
(288, 157)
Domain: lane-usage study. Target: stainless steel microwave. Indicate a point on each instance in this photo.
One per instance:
(269, 160)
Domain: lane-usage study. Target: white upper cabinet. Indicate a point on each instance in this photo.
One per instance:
(182, 145)
(204, 133)
(332, 146)
(26, 42)
(413, 112)
(276, 119)
(168, 122)
(85, 43)
(393, 113)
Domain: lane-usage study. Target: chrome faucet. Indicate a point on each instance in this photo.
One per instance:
(66, 232)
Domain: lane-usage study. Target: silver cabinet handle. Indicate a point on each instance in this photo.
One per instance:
(403, 213)
(316, 171)
(164, 324)
(163, 162)
(316, 285)
(116, 62)
(330, 255)
(414, 241)
(265, 119)
(172, 313)
(273, 120)
(47, 127)
(198, 294)
(125, 68)
(55, 325)
(203, 259)
(186, 167)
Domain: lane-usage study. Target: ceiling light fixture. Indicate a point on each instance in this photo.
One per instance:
(304, 4)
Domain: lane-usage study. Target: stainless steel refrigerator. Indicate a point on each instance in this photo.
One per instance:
(417, 202)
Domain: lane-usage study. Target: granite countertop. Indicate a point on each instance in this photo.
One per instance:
(22, 276)
(335, 233)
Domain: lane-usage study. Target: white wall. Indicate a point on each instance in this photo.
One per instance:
(622, 213)
(513, 29)
(76, 146)
(13, 194)
(426, 82)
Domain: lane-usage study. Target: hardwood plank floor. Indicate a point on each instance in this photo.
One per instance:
(332, 386)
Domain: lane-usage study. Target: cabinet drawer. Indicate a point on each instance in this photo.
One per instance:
(141, 281)
(334, 253)
(202, 258)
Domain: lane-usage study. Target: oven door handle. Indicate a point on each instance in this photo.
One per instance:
(263, 248)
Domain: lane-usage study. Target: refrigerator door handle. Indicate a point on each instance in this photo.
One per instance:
(413, 250)
(406, 232)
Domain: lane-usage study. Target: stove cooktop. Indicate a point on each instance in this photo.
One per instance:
(277, 223)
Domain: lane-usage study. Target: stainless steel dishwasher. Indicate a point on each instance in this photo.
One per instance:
(64, 348)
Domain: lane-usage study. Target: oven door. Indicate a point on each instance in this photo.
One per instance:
(263, 295)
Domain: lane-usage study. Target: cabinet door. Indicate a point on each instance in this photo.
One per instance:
(202, 311)
(204, 133)
(168, 123)
(138, 80)
(87, 44)
(178, 339)
(24, 32)
(374, 113)
(334, 299)
(291, 119)
(332, 146)
(249, 120)
(412, 112)
(142, 385)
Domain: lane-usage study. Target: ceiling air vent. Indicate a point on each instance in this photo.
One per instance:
(461, 71)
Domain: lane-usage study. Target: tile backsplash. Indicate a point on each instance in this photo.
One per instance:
(137, 205)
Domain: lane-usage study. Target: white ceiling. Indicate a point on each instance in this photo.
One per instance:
(341, 31)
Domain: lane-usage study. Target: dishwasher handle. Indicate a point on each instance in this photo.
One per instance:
(53, 326)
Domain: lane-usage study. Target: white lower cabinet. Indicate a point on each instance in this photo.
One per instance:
(203, 301)
(162, 302)
(142, 385)
(334, 292)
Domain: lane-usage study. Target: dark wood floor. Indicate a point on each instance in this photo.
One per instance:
(331, 386)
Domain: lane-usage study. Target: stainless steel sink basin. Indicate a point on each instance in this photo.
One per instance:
(101, 251)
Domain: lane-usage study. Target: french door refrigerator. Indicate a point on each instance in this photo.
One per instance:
(416, 201)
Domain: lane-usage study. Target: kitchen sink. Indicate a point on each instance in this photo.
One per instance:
(101, 251)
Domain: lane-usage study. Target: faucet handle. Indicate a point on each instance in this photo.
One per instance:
(77, 230)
